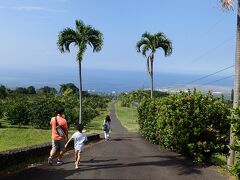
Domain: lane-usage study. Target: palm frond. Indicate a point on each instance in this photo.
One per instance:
(95, 38)
(145, 49)
(65, 38)
(80, 26)
(227, 4)
(140, 43)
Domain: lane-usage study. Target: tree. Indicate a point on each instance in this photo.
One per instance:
(151, 43)
(81, 37)
(3, 91)
(68, 86)
(46, 90)
(228, 4)
(31, 90)
(21, 90)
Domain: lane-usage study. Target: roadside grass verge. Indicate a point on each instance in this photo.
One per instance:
(13, 138)
(220, 161)
(127, 116)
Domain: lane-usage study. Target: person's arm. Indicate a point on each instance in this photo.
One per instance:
(68, 142)
(66, 133)
(66, 130)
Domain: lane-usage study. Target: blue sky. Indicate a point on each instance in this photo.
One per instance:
(203, 35)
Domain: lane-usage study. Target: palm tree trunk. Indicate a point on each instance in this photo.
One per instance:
(236, 86)
(151, 78)
(80, 92)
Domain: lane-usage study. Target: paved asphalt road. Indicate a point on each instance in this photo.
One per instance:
(125, 156)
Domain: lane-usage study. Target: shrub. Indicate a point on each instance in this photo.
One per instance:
(42, 110)
(190, 123)
(18, 113)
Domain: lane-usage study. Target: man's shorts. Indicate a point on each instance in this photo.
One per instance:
(58, 145)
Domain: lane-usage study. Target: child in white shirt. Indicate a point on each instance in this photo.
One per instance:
(106, 127)
(79, 139)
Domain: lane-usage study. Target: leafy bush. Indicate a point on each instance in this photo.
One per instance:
(18, 113)
(42, 110)
(190, 123)
(138, 96)
(1, 109)
(235, 120)
(37, 110)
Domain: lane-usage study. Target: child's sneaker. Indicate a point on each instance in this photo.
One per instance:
(59, 162)
(76, 167)
(50, 160)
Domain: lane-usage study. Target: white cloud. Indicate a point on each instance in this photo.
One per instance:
(36, 8)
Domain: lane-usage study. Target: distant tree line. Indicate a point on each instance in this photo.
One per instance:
(34, 107)
(65, 89)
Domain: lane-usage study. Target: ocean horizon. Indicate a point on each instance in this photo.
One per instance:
(112, 80)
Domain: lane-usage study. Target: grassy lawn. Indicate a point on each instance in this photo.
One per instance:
(127, 116)
(12, 137)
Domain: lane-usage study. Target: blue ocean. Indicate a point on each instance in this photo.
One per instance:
(110, 80)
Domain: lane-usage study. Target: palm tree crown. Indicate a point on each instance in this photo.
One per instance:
(81, 37)
(153, 42)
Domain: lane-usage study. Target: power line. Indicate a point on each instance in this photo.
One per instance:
(218, 80)
(182, 85)
(212, 50)
(211, 74)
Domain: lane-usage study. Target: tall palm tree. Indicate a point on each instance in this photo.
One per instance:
(82, 36)
(228, 4)
(152, 42)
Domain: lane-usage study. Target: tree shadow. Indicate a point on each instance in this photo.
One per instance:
(182, 166)
(40, 174)
(98, 161)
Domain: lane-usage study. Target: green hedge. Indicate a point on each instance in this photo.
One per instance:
(37, 110)
(190, 123)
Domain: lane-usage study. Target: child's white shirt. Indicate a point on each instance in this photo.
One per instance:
(107, 123)
(79, 139)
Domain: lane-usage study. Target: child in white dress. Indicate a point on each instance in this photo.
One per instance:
(79, 139)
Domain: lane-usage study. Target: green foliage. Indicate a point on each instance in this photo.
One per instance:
(3, 92)
(18, 113)
(31, 90)
(235, 169)
(68, 88)
(37, 110)
(83, 35)
(46, 91)
(137, 96)
(235, 121)
(190, 123)
(1, 109)
(42, 110)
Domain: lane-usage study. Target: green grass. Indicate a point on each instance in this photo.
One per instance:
(12, 138)
(220, 162)
(127, 116)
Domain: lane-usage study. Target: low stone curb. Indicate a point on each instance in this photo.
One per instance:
(17, 156)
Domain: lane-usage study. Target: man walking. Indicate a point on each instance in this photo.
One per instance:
(58, 140)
